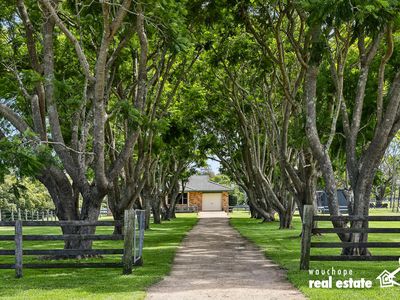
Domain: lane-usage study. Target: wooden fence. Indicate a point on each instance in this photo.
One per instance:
(308, 231)
(239, 208)
(131, 253)
(34, 214)
(27, 215)
(186, 209)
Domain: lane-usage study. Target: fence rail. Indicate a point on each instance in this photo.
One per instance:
(131, 252)
(33, 214)
(239, 208)
(27, 214)
(64, 266)
(63, 223)
(308, 231)
(356, 218)
(66, 237)
(186, 209)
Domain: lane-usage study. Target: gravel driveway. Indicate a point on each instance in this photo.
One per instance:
(215, 262)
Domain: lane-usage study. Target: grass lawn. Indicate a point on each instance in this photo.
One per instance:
(160, 244)
(283, 247)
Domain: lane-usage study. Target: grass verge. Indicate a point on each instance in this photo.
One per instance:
(283, 247)
(160, 245)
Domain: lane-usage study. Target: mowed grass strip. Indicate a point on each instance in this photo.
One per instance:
(160, 245)
(283, 247)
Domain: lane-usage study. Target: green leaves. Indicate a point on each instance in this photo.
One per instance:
(169, 17)
(17, 155)
(126, 111)
(31, 77)
(24, 194)
(370, 14)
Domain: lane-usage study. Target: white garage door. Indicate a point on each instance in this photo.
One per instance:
(211, 201)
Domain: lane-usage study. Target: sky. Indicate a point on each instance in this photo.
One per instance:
(214, 165)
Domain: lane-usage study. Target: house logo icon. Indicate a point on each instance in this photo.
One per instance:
(387, 279)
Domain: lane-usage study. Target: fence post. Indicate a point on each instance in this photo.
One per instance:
(0, 215)
(139, 262)
(26, 215)
(19, 214)
(18, 249)
(308, 214)
(127, 259)
(135, 221)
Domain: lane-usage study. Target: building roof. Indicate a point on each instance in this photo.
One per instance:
(202, 183)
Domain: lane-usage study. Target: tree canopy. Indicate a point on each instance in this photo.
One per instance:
(122, 100)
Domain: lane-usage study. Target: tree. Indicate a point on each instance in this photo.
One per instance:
(365, 29)
(70, 141)
(279, 30)
(98, 108)
(172, 57)
(23, 193)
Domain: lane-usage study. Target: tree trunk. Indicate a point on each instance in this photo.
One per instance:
(257, 210)
(398, 201)
(362, 193)
(65, 199)
(269, 215)
(165, 210)
(118, 214)
(253, 211)
(285, 219)
(113, 201)
(156, 214)
(145, 200)
(286, 216)
(392, 191)
(90, 211)
(170, 213)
